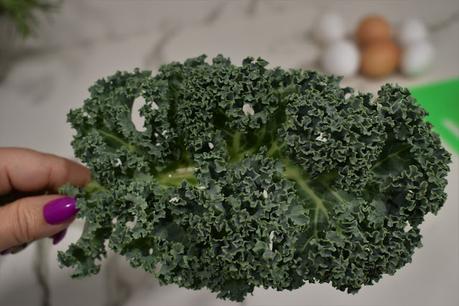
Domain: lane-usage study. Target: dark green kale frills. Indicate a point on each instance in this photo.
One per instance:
(246, 176)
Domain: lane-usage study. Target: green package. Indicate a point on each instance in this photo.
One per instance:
(441, 100)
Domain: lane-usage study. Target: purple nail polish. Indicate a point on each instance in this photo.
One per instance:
(60, 210)
(59, 236)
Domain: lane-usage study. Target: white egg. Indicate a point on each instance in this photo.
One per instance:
(328, 28)
(417, 58)
(341, 58)
(411, 31)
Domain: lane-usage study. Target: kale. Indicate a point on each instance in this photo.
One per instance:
(25, 13)
(245, 176)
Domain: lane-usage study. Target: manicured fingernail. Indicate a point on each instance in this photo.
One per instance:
(4, 252)
(60, 210)
(59, 236)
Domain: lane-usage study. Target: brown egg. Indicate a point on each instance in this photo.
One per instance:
(372, 29)
(379, 59)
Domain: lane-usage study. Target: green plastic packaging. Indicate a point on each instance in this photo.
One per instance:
(441, 100)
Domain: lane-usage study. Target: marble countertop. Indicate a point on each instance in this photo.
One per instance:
(89, 39)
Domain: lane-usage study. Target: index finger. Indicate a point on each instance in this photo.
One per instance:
(28, 170)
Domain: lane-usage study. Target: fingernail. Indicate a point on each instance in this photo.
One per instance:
(4, 252)
(59, 236)
(60, 210)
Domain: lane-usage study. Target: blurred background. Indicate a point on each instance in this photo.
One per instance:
(52, 51)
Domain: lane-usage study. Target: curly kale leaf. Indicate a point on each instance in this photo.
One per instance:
(246, 176)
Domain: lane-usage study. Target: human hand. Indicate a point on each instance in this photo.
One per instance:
(38, 216)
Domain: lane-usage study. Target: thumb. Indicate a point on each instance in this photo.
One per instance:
(36, 217)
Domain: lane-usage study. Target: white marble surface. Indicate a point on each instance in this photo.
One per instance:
(93, 38)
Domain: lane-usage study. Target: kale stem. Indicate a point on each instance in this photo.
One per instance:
(333, 192)
(275, 148)
(94, 186)
(176, 176)
(293, 173)
(393, 154)
(118, 140)
(235, 147)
